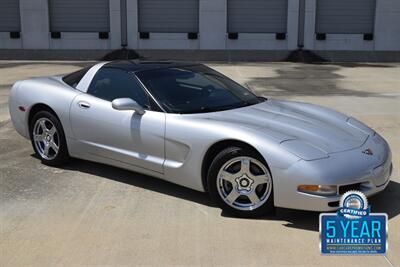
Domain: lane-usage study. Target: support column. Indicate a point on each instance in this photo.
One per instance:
(213, 24)
(35, 24)
(302, 10)
(292, 24)
(132, 23)
(387, 25)
(115, 24)
(309, 24)
(124, 37)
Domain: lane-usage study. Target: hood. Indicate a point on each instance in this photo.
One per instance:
(319, 127)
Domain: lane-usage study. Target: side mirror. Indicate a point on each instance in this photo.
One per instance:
(127, 104)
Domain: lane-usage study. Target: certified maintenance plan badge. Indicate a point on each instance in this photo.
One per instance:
(353, 229)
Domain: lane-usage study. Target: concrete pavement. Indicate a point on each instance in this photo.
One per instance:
(88, 214)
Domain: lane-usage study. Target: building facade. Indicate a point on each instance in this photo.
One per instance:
(354, 25)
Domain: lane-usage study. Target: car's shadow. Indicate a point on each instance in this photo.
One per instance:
(138, 180)
(386, 202)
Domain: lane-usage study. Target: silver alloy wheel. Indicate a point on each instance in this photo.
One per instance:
(244, 183)
(46, 138)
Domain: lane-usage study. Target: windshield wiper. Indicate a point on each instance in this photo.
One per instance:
(214, 109)
(202, 110)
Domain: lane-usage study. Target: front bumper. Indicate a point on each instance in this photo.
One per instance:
(349, 170)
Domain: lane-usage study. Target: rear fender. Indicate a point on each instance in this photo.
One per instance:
(50, 91)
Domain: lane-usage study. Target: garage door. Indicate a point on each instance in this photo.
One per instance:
(257, 16)
(345, 16)
(9, 16)
(79, 15)
(169, 16)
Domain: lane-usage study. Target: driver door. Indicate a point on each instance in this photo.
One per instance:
(115, 136)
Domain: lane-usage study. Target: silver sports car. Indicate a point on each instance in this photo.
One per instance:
(190, 125)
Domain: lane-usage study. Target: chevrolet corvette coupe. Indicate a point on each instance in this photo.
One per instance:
(190, 125)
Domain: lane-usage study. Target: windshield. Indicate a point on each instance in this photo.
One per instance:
(195, 89)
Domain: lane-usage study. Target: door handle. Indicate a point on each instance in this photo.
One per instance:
(83, 105)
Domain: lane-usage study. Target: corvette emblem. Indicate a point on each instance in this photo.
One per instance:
(368, 151)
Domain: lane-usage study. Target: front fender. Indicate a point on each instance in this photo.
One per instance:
(188, 139)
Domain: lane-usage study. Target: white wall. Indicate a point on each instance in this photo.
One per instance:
(90, 40)
(168, 41)
(7, 43)
(333, 41)
(267, 41)
(35, 30)
(212, 31)
(386, 35)
(79, 40)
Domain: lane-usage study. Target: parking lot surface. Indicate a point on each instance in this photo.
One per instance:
(88, 214)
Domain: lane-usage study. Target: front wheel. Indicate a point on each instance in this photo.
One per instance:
(48, 139)
(240, 182)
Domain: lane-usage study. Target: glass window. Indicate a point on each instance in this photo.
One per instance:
(195, 89)
(74, 78)
(112, 83)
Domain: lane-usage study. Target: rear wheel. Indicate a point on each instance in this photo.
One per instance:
(240, 182)
(48, 139)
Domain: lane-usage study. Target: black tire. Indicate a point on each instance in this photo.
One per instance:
(62, 155)
(223, 157)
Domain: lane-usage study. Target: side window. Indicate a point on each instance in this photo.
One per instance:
(111, 83)
(74, 78)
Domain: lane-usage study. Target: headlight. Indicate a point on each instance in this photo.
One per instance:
(320, 190)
